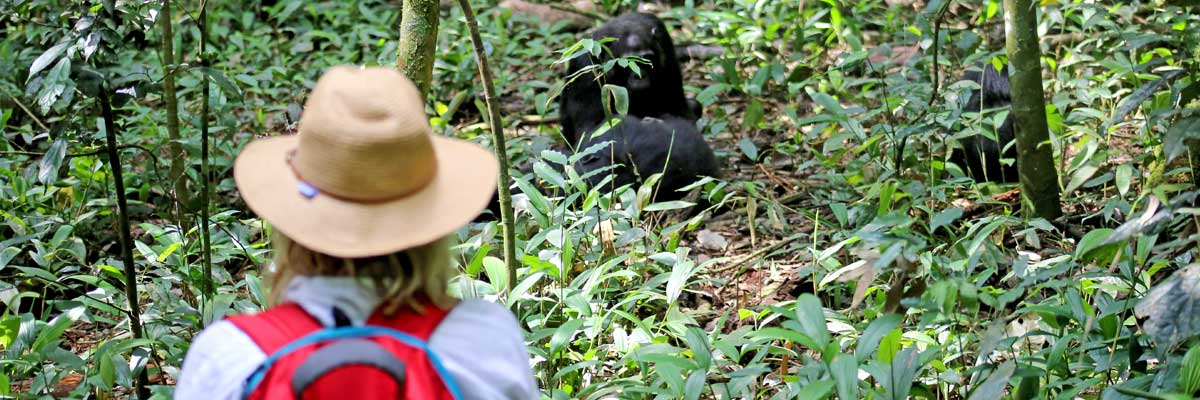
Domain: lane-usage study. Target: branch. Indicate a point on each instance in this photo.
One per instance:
(489, 96)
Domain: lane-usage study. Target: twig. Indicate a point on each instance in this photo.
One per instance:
(29, 113)
(70, 156)
(489, 96)
(757, 254)
(933, 68)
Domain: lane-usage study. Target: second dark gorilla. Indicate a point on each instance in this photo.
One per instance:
(980, 155)
(640, 147)
(657, 92)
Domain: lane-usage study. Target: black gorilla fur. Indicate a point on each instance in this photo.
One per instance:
(657, 92)
(981, 155)
(640, 147)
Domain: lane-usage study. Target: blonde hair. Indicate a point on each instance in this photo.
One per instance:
(407, 278)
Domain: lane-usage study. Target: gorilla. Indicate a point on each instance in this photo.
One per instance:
(980, 155)
(656, 92)
(639, 147)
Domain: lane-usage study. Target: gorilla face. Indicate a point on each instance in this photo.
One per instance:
(656, 91)
(643, 36)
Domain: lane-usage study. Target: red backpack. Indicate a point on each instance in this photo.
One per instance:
(388, 358)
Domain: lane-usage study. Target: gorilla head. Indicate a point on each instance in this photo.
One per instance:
(657, 91)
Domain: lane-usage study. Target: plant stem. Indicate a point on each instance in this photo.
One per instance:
(174, 149)
(205, 184)
(131, 288)
(489, 96)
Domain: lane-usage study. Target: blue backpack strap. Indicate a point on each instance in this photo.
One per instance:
(353, 332)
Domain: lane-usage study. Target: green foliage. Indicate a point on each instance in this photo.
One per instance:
(856, 270)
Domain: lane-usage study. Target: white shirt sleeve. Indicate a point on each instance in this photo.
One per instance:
(482, 346)
(217, 364)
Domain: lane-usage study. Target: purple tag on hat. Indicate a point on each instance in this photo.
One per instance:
(306, 190)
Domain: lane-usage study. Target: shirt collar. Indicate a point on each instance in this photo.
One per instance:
(318, 295)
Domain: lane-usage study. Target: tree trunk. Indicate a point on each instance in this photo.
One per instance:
(1035, 156)
(174, 149)
(418, 40)
(489, 96)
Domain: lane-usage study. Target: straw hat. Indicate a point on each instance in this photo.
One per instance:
(365, 176)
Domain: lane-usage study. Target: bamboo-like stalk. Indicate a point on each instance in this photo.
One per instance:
(1035, 156)
(205, 184)
(489, 96)
(174, 149)
(131, 288)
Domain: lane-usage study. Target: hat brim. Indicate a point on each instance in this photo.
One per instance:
(465, 180)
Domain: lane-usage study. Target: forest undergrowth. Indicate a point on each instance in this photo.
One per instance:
(840, 255)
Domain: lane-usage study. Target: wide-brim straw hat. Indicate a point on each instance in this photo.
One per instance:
(365, 176)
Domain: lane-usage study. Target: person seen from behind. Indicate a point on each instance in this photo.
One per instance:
(362, 203)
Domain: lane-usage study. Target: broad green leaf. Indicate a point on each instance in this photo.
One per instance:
(9, 328)
(476, 264)
(108, 370)
(680, 273)
(786, 334)
(748, 148)
(695, 385)
(897, 380)
(845, 373)
(826, 101)
(55, 328)
(497, 273)
(1176, 139)
(52, 161)
(47, 57)
(1124, 178)
(875, 332)
(564, 333)
(994, 387)
(1080, 177)
(146, 252)
(1189, 374)
(162, 255)
(54, 85)
(1091, 248)
(555, 157)
(616, 99)
(223, 82)
(7, 255)
(811, 317)
(668, 205)
(816, 390)
(698, 342)
(255, 287)
(291, 7)
(753, 116)
(945, 217)
(708, 96)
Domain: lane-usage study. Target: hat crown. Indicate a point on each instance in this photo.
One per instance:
(364, 136)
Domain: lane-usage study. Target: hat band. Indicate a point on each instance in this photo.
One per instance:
(310, 191)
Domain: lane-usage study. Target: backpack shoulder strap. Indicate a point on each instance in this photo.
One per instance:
(276, 327)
